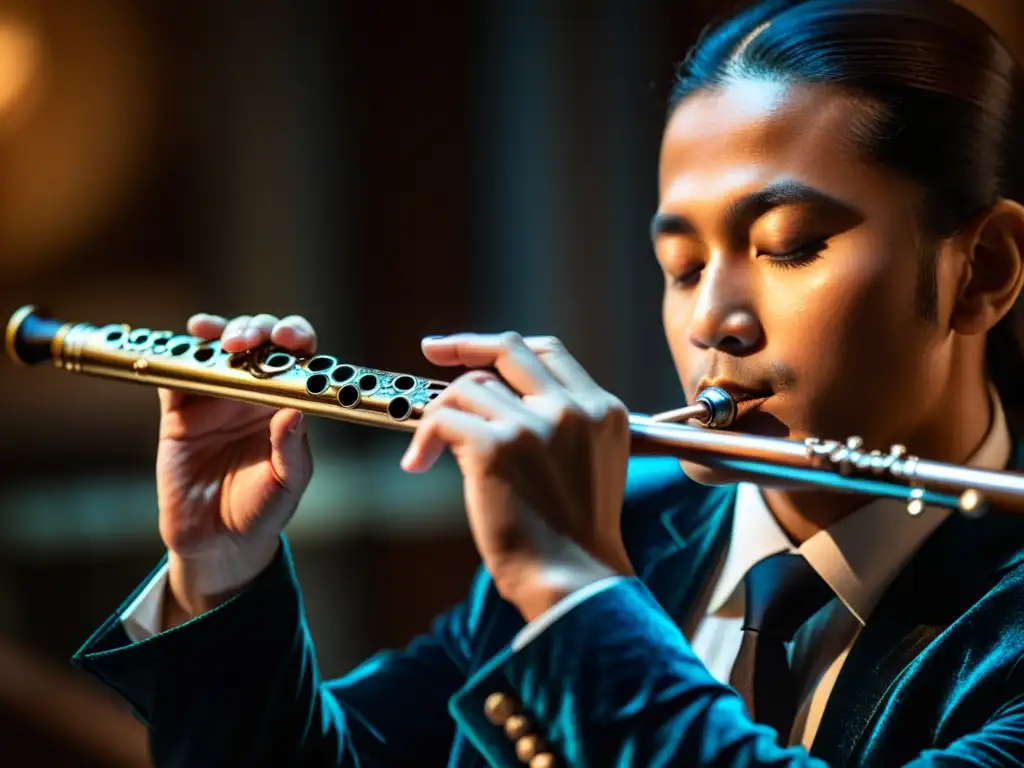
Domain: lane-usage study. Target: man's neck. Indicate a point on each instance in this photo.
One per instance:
(803, 513)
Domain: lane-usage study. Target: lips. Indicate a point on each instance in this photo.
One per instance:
(747, 399)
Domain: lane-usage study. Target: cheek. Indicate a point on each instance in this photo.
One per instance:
(850, 332)
(675, 316)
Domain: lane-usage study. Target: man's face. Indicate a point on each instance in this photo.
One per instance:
(793, 270)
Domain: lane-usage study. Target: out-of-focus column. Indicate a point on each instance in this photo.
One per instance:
(275, 161)
(274, 155)
(566, 184)
(520, 191)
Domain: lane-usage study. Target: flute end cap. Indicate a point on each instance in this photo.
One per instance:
(13, 326)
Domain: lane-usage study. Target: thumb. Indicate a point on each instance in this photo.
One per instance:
(290, 454)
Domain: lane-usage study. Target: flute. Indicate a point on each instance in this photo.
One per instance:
(324, 385)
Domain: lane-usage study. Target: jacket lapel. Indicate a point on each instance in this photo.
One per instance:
(890, 641)
(699, 529)
(925, 598)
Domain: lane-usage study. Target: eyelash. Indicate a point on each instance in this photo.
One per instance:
(798, 257)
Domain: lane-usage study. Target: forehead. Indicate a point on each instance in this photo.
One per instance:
(728, 142)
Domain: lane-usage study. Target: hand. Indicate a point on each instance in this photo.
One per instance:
(544, 474)
(229, 474)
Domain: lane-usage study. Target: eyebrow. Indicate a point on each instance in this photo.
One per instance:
(752, 206)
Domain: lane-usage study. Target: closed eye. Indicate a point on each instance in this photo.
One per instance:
(797, 257)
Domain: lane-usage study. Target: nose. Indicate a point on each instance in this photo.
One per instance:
(724, 317)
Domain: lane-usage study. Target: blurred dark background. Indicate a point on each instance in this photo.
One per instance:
(388, 170)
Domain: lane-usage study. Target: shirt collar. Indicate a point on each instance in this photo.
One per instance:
(846, 554)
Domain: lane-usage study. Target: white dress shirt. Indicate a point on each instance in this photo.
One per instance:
(847, 555)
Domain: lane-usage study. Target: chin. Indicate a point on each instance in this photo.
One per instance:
(710, 476)
(756, 422)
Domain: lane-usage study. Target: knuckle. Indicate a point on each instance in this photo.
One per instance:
(616, 412)
(552, 344)
(606, 408)
(511, 339)
(514, 436)
(570, 413)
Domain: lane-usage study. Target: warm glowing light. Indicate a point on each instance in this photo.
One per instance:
(19, 59)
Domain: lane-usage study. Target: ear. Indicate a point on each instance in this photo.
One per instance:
(993, 271)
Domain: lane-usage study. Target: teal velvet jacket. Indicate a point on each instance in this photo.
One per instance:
(934, 678)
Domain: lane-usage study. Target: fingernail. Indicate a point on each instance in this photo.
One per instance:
(296, 422)
(428, 339)
(407, 458)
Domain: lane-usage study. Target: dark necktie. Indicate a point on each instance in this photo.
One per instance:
(782, 592)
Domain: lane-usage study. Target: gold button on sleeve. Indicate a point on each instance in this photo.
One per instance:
(543, 760)
(499, 707)
(528, 747)
(517, 726)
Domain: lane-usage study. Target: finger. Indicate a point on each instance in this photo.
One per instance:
(507, 353)
(290, 458)
(206, 327)
(169, 399)
(259, 328)
(563, 366)
(445, 428)
(295, 334)
(481, 394)
(233, 338)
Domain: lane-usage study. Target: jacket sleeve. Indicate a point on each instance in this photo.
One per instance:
(613, 683)
(239, 686)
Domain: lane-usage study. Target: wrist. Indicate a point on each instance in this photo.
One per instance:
(544, 586)
(197, 583)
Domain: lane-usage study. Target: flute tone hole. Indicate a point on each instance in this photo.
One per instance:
(179, 349)
(343, 374)
(399, 408)
(368, 382)
(433, 395)
(317, 384)
(348, 396)
(114, 336)
(404, 383)
(161, 338)
(321, 363)
(203, 354)
(435, 386)
(278, 360)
